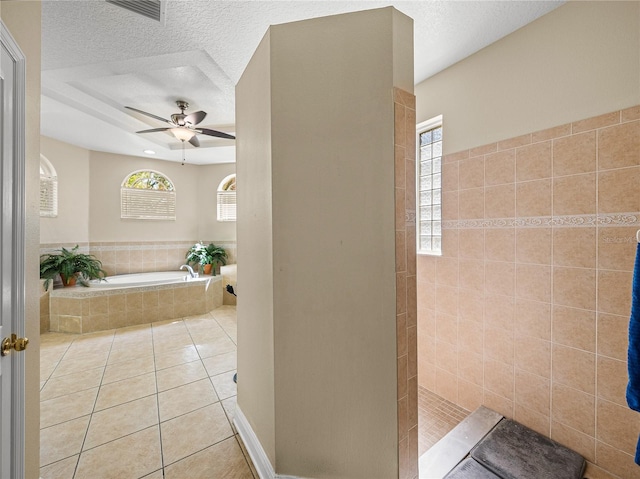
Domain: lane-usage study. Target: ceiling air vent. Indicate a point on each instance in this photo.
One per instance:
(154, 9)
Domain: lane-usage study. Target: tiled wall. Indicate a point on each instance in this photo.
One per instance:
(406, 306)
(45, 315)
(527, 310)
(128, 257)
(143, 256)
(86, 310)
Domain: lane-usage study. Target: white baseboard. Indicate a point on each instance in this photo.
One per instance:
(254, 448)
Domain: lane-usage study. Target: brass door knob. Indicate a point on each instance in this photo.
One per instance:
(15, 343)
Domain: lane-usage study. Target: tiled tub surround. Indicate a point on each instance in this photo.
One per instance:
(84, 310)
(527, 309)
(142, 256)
(406, 305)
(229, 277)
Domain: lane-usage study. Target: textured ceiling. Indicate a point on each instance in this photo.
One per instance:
(97, 58)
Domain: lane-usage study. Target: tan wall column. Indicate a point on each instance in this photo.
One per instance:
(318, 352)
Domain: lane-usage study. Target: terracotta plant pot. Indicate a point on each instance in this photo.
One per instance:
(206, 269)
(70, 282)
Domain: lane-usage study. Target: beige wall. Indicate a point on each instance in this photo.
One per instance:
(578, 61)
(317, 244)
(527, 310)
(89, 199)
(209, 177)
(23, 21)
(256, 392)
(108, 171)
(72, 167)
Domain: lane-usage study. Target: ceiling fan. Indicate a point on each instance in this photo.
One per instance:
(183, 126)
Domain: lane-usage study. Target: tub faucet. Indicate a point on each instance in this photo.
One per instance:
(190, 269)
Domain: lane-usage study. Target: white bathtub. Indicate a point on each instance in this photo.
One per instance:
(145, 279)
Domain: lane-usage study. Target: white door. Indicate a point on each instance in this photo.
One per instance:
(12, 137)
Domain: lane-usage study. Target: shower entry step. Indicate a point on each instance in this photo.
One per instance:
(488, 446)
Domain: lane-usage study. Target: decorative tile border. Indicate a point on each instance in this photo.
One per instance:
(614, 219)
(49, 248)
(623, 219)
(133, 246)
(156, 246)
(124, 257)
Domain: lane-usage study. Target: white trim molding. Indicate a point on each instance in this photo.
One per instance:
(254, 448)
(18, 262)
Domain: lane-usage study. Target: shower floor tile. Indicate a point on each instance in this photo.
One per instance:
(150, 391)
(436, 417)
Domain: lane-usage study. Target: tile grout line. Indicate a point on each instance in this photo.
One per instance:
(155, 375)
(111, 346)
(206, 370)
(86, 433)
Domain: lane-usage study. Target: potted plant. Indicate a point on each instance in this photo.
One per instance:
(71, 266)
(218, 256)
(199, 255)
(208, 258)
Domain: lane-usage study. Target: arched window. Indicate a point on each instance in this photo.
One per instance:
(48, 189)
(227, 199)
(147, 195)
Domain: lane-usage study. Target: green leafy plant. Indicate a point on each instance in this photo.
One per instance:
(70, 264)
(218, 256)
(199, 255)
(203, 255)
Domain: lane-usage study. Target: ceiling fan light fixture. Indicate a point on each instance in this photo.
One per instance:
(182, 126)
(182, 134)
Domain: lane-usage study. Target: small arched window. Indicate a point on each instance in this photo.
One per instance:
(147, 195)
(227, 199)
(48, 189)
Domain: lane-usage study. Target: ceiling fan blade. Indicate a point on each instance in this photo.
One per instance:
(194, 141)
(195, 117)
(219, 134)
(153, 130)
(149, 115)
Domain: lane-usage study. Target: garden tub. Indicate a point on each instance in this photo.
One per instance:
(145, 279)
(131, 299)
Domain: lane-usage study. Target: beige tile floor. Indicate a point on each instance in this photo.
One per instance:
(151, 401)
(436, 417)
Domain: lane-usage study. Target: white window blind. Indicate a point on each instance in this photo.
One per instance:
(227, 199)
(48, 196)
(147, 204)
(226, 205)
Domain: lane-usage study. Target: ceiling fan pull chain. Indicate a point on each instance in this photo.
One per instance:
(183, 160)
